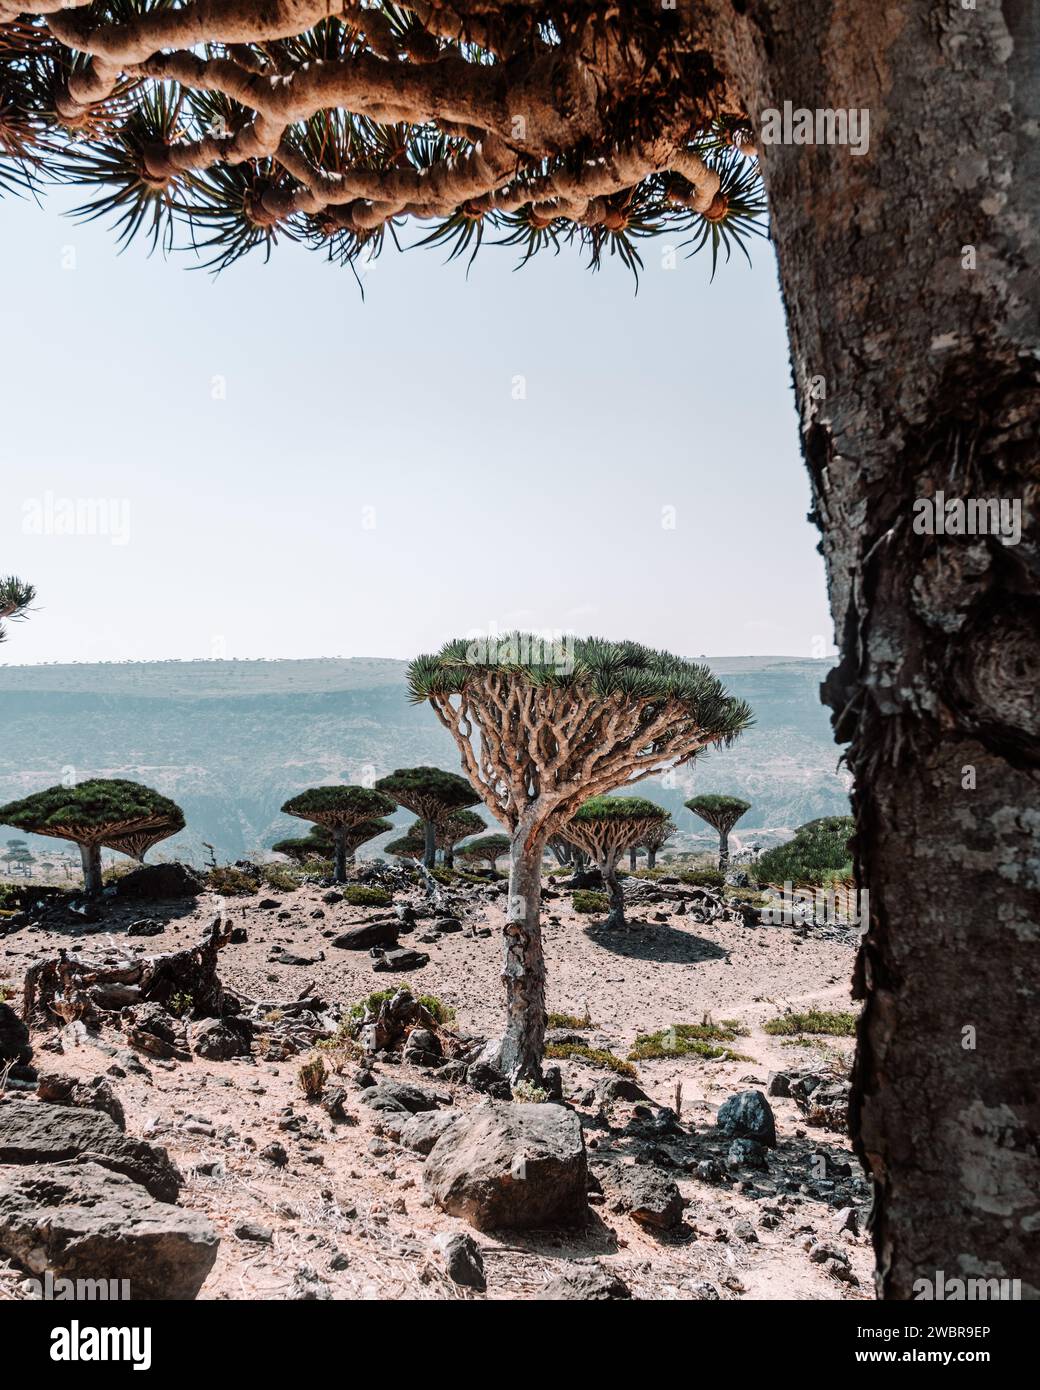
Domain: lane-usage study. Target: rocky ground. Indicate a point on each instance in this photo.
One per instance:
(671, 1185)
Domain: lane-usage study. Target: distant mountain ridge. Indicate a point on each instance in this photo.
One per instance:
(232, 740)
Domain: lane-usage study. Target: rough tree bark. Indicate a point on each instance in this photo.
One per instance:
(911, 277)
(608, 868)
(723, 851)
(339, 839)
(430, 851)
(523, 966)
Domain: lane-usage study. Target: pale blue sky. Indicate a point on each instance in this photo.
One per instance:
(369, 486)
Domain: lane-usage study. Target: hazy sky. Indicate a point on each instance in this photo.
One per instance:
(273, 467)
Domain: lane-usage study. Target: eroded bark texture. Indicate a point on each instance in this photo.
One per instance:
(523, 966)
(916, 372)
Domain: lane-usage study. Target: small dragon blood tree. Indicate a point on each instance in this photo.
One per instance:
(341, 811)
(100, 811)
(659, 834)
(452, 828)
(604, 827)
(432, 794)
(541, 727)
(488, 849)
(319, 843)
(722, 814)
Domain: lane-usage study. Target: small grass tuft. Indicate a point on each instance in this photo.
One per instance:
(312, 1077)
(230, 882)
(594, 1056)
(359, 896)
(584, 900)
(841, 1024)
(572, 1020)
(692, 1039)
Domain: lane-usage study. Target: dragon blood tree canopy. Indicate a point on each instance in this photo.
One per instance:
(222, 127)
(604, 827)
(433, 795)
(552, 724)
(94, 812)
(722, 814)
(101, 811)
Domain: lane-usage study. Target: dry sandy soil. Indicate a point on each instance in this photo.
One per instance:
(348, 1216)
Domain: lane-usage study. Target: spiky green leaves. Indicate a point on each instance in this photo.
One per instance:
(601, 669)
(336, 807)
(94, 812)
(15, 598)
(486, 848)
(618, 808)
(721, 812)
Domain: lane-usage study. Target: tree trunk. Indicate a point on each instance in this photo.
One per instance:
(523, 969)
(430, 853)
(339, 839)
(616, 915)
(723, 851)
(911, 276)
(651, 859)
(449, 858)
(632, 861)
(91, 857)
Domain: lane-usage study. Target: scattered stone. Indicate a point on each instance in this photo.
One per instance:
(623, 1088)
(463, 1261)
(647, 1195)
(381, 931)
(747, 1153)
(147, 926)
(31, 1132)
(402, 958)
(219, 1040)
(398, 1096)
(447, 924)
(333, 1102)
(589, 1283)
(96, 1094)
(748, 1115)
(709, 1170)
(511, 1167)
(252, 1230)
(275, 1154)
(489, 1081)
(171, 880)
(84, 1221)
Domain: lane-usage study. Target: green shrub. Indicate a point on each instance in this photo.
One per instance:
(594, 1056)
(572, 1020)
(230, 882)
(279, 878)
(583, 900)
(840, 1024)
(527, 1093)
(818, 852)
(691, 1039)
(442, 1013)
(701, 878)
(359, 896)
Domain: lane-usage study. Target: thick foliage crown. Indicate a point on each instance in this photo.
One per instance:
(221, 126)
(339, 805)
(408, 846)
(605, 809)
(714, 808)
(485, 845)
(817, 846)
(92, 805)
(15, 594)
(425, 788)
(600, 669)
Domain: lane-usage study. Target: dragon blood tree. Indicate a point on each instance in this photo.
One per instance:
(657, 836)
(15, 598)
(433, 795)
(452, 828)
(488, 849)
(407, 847)
(541, 727)
(319, 843)
(722, 814)
(342, 811)
(101, 811)
(604, 827)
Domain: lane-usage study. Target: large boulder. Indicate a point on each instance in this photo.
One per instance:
(418, 1132)
(85, 1222)
(504, 1167)
(160, 881)
(748, 1115)
(398, 1096)
(381, 931)
(648, 1196)
(32, 1132)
